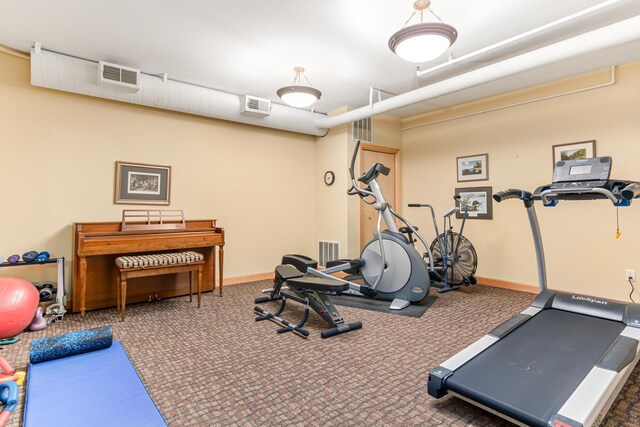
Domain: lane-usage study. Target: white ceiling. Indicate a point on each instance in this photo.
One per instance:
(251, 47)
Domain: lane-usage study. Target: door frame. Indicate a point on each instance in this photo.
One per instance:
(396, 170)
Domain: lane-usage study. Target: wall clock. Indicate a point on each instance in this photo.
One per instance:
(329, 178)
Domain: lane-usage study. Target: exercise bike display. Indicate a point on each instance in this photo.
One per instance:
(454, 258)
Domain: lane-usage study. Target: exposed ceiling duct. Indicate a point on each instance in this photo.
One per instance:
(592, 41)
(61, 72)
(66, 73)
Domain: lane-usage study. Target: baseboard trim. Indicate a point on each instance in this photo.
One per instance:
(504, 284)
(235, 280)
(496, 283)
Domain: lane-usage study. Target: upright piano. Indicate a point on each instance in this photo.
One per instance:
(97, 244)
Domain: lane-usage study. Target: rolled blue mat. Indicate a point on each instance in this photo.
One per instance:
(70, 344)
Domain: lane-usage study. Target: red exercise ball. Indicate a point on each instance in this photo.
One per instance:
(18, 304)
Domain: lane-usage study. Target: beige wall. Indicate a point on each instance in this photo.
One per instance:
(58, 165)
(339, 214)
(331, 200)
(266, 189)
(582, 252)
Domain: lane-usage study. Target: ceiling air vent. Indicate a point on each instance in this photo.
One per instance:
(118, 76)
(361, 130)
(254, 106)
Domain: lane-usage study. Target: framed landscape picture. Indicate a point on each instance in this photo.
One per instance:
(473, 168)
(574, 150)
(142, 184)
(479, 201)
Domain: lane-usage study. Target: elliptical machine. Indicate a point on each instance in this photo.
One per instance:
(389, 265)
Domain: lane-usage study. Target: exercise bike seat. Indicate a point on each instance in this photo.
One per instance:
(316, 284)
(284, 272)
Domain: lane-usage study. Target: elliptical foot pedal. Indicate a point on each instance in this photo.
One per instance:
(399, 304)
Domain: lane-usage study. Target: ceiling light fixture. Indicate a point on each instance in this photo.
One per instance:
(424, 41)
(297, 95)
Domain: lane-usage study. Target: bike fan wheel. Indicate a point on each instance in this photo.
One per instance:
(462, 260)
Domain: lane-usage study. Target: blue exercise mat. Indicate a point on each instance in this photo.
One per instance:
(100, 388)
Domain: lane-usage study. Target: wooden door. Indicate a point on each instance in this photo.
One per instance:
(368, 215)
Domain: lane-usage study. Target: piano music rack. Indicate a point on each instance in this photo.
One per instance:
(152, 219)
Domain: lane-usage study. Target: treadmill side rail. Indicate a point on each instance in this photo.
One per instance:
(592, 399)
(621, 353)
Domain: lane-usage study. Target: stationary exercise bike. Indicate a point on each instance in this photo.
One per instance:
(454, 258)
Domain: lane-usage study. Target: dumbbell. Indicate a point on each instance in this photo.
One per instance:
(43, 256)
(13, 259)
(29, 256)
(46, 291)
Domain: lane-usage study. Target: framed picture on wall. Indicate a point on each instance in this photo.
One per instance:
(142, 184)
(479, 201)
(574, 150)
(473, 168)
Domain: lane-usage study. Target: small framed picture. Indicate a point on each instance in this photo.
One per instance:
(574, 150)
(478, 200)
(473, 168)
(142, 184)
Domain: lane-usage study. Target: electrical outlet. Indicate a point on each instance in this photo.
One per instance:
(630, 274)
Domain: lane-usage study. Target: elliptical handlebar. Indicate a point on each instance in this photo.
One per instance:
(355, 189)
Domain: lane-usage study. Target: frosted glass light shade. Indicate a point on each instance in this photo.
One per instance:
(422, 42)
(299, 96)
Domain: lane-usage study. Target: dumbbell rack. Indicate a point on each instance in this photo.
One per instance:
(60, 296)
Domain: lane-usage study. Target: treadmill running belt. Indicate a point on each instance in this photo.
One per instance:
(530, 373)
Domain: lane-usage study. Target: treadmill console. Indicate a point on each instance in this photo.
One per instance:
(582, 173)
(586, 179)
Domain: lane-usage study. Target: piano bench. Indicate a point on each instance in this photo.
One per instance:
(130, 267)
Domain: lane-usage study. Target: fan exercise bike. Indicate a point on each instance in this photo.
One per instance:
(454, 258)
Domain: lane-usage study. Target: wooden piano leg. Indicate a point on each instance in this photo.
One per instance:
(220, 261)
(83, 285)
(123, 294)
(199, 283)
(118, 297)
(191, 285)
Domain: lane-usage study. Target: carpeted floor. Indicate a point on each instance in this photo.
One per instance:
(217, 367)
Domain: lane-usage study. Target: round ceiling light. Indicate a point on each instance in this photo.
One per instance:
(297, 95)
(423, 42)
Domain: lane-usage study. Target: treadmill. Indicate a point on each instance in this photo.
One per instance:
(562, 361)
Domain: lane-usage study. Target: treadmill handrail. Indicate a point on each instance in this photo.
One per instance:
(564, 191)
(527, 199)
